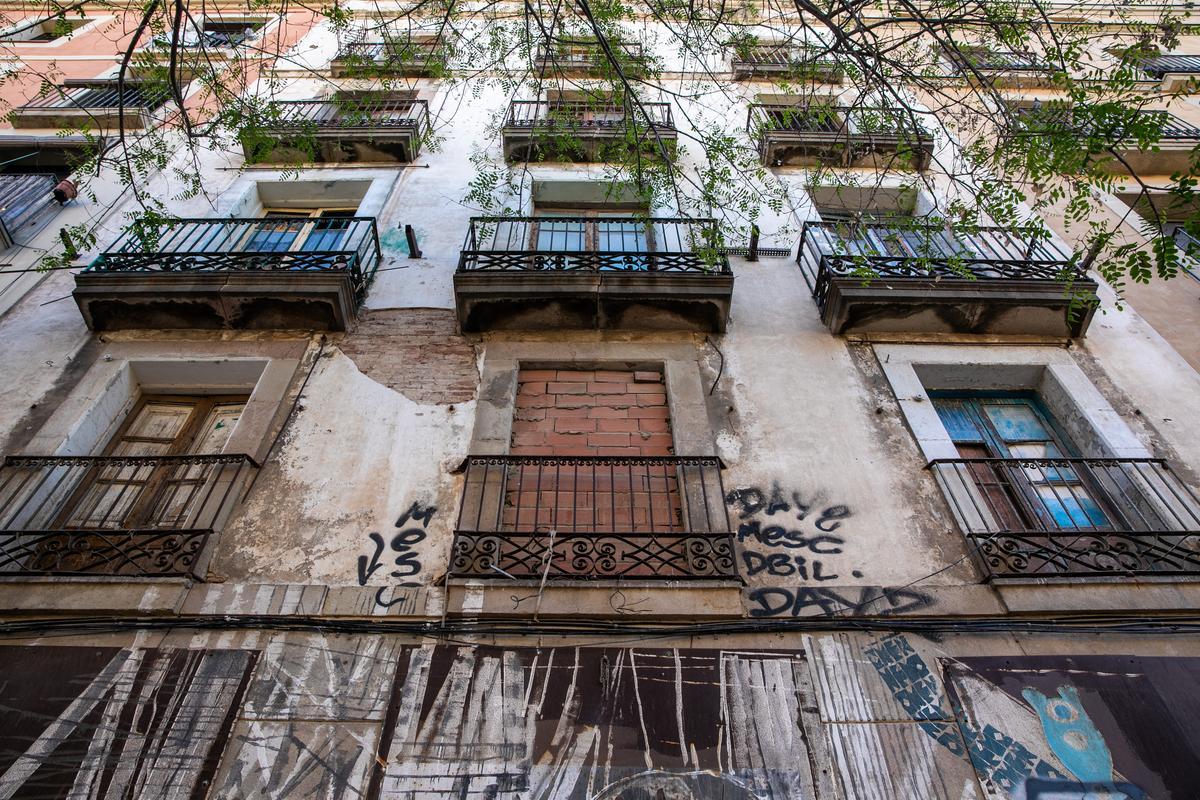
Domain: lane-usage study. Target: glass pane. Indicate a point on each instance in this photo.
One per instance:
(1016, 422)
(560, 235)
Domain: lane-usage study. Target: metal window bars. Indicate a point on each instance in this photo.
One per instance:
(114, 515)
(1161, 66)
(581, 114)
(186, 246)
(349, 114)
(563, 243)
(1074, 517)
(986, 59)
(785, 58)
(592, 517)
(101, 94)
(587, 55)
(867, 250)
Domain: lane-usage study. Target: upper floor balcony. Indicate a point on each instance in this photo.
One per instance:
(1150, 142)
(586, 130)
(96, 104)
(1177, 72)
(360, 128)
(592, 272)
(292, 271)
(401, 57)
(781, 61)
(878, 277)
(130, 515)
(589, 517)
(584, 58)
(810, 135)
(1074, 517)
(1001, 68)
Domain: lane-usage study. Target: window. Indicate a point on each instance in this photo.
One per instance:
(161, 494)
(44, 32)
(1025, 494)
(222, 33)
(305, 230)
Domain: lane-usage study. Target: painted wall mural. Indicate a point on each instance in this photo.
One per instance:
(598, 723)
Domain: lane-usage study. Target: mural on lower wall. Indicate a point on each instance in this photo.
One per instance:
(598, 723)
(103, 722)
(1110, 727)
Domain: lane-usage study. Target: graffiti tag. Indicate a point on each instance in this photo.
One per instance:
(804, 601)
(795, 547)
(405, 561)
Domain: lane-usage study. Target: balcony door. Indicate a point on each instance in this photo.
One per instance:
(285, 230)
(1024, 495)
(590, 231)
(129, 490)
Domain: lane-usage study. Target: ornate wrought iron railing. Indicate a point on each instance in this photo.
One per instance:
(349, 114)
(1045, 517)
(22, 198)
(577, 115)
(1036, 120)
(774, 59)
(556, 244)
(1160, 66)
(187, 246)
(853, 127)
(114, 515)
(866, 251)
(593, 517)
(100, 94)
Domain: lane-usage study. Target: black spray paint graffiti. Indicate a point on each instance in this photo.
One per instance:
(402, 544)
(802, 601)
(799, 546)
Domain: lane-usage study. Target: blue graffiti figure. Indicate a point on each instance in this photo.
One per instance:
(1072, 735)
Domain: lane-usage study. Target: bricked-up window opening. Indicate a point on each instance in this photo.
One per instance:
(593, 413)
(592, 488)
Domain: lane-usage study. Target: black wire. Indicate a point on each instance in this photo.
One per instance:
(1049, 624)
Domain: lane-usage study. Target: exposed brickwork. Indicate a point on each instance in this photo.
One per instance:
(415, 351)
(591, 413)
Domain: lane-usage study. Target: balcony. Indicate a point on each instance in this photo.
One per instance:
(265, 273)
(368, 129)
(1002, 68)
(579, 130)
(25, 201)
(922, 279)
(1177, 73)
(592, 272)
(1074, 517)
(134, 516)
(398, 58)
(529, 517)
(791, 135)
(1150, 142)
(585, 58)
(93, 104)
(791, 63)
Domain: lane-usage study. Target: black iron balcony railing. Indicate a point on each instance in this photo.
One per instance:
(22, 199)
(557, 244)
(1161, 66)
(581, 116)
(1036, 120)
(836, 134)
(986, 60)
(867, 251)
(390, 56)
(1074, 517)
(189, 246)
(593, 517)
(114, 515)
(1189, 252)
(100, 95)
(588, 56)
(352, 114)
(767, 59)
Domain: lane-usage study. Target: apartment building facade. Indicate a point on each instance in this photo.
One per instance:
(333, 483)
